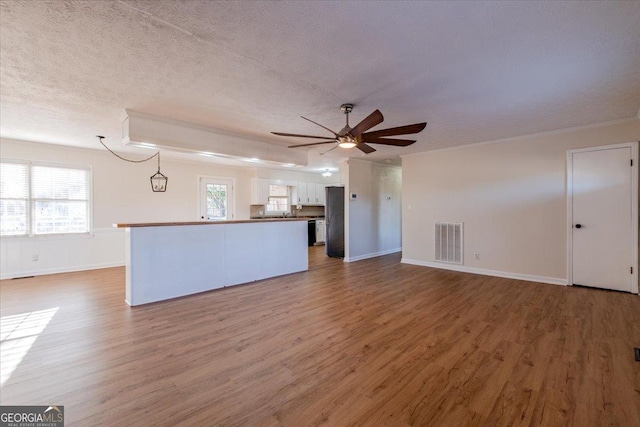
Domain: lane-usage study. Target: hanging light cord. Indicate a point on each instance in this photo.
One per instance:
(100, 138)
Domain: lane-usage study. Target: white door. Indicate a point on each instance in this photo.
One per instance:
(216, 199)
(600, 183)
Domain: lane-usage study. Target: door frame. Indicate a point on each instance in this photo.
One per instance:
(634, 207)
(233, 194)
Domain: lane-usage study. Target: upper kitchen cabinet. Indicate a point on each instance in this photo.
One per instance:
(259, 191)
(312, 193)
(320, 196)
(303, 196)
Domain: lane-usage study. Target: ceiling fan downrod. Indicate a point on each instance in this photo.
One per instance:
(346, 109)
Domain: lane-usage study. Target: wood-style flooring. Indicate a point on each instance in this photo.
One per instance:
(370, 343)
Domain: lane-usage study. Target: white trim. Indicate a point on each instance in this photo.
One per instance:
(27, 273)
(634, 208)
(531, 135)
(485, 272)
(372, 255)
(62, 236)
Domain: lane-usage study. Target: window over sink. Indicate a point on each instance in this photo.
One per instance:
(279, 197)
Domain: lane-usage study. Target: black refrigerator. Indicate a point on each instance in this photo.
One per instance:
(334, 217)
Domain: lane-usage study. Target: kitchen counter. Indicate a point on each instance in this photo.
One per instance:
(168, 260)
(239, 221)
(304, 218)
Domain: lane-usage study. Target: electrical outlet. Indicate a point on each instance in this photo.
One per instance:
(477, 255)
(34, 258)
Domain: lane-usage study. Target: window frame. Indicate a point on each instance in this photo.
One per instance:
(31, 201)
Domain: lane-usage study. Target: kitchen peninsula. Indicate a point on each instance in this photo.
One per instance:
(169, 260)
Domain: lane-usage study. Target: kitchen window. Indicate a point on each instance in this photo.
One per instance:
(40, 198)
(278, 199)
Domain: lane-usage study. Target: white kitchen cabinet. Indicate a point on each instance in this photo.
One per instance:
(320, 195)
(259, 191)
(303, 198)
(311, 193)
(320, 228)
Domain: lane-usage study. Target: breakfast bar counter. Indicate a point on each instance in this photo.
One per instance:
(174, 259)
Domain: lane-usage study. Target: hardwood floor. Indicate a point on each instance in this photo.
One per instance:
(369, 343)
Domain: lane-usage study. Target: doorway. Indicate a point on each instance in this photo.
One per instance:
(216, 199)
(602, 214)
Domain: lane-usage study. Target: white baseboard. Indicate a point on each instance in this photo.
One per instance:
(60, 270)
(372, 255)
(485, 272)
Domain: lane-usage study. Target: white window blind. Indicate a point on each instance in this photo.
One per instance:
(53, 199)
(14, 199)
(278, 198)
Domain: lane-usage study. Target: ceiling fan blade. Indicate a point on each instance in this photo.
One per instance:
(323, 127)
(400, 130)
(313, 143)
(298, 136)
(370, 121)
(387, 141)
(331, 149)
(365, 148)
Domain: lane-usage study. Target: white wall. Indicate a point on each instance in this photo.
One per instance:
(121, 194)
(374, 218)
(509, 194)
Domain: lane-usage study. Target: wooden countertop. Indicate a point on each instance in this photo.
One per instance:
(241, 221)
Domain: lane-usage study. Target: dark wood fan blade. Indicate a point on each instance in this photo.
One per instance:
(387, 141)
(323, 127)
(370, 121)
(400, 130)
(365, 148)
(298, 136)
(313, 143)
(330, 149)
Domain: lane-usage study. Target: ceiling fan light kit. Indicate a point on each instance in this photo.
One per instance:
(346, 143)
(358, 136)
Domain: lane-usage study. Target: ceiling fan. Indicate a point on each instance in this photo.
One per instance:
(358, 136)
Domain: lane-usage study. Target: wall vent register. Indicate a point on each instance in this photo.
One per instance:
(448, 242)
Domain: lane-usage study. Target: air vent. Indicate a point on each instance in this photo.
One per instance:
(449, 242)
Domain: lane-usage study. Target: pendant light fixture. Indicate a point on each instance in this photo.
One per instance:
(327, 173)
(158, 180)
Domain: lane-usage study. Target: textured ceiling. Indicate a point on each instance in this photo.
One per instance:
(476, 71)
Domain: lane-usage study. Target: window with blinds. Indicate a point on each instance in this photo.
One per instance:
(278, 199)
(39, 199)
(14, 199)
